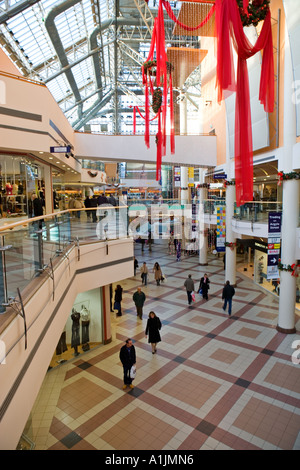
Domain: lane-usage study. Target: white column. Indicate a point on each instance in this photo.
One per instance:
(48, 190)
(287, 298)
(290, 205)
(203, 245)
(184, 181)
(230, 264)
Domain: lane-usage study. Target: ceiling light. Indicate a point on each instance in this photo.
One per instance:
(50, 158)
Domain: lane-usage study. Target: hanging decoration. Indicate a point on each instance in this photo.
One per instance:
(157, 79)
(231, 245)
(137, 109)
(229, 29)
(228, 183)
(294, 268)
(293, 175)
(253, 12)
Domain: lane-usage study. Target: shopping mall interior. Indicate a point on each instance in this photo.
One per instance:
(136, 132)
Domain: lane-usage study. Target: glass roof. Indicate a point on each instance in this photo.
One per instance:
(82, 57)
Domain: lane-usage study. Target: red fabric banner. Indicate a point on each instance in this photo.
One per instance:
(134, 120)
(229, 26)
(182, 25)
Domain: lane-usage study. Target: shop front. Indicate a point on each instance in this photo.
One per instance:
(84, 328)
(20, 177)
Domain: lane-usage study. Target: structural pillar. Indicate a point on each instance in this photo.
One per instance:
(290, 205)
(49, 209)
(203, 244)
(184, 181)
(230, 252)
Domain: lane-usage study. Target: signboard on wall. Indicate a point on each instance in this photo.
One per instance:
(177, 176)
(274, 234)
(221, 228)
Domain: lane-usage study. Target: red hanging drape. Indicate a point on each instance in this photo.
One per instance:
(182, 25)
(229, 25)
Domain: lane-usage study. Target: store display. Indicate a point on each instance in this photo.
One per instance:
(85, 323)
(75, 341)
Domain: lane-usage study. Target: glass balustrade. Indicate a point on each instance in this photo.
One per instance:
(256, 211)
(28, 247)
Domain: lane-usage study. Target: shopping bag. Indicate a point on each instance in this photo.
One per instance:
(193, 297)
(133, 372)
(200, 291)
(117, 306)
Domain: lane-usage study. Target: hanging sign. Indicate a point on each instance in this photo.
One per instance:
(177, 177)
(63, 149)
(274, 234)
(221, 228)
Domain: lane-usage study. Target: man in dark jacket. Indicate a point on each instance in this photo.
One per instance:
(128, 359)
(189, 285)
(228, 293)
(139, 300)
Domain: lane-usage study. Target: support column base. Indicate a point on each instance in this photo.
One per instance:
(286, 331)
(203, 264)
(107, 341)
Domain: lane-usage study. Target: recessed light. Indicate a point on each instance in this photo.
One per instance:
(50, 158)
(41, 152)
(58, 162)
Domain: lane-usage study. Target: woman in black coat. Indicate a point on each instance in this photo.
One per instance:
(118, 299)
(152, 328)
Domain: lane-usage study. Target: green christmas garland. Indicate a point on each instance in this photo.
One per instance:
(257, 11)
(152, 63)
(228, 183)
(293, 175)
(157, 100)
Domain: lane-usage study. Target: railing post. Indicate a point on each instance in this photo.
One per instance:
(38, 251)
(3, 278)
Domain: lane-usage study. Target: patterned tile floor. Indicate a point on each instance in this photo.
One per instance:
(215, 383)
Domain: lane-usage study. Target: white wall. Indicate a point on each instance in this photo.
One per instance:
(24, 370)
(192, 149)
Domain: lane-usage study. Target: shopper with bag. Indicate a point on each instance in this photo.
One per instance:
(157, 273)
(152, 330)
(204, 286)
(190, 287)
(128, 358)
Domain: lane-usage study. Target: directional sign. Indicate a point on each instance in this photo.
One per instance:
(63, 149)
(274, 234)
(273, 259)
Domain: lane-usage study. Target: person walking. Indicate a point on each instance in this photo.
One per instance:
(139, 300)
(157, 273)
(190, 287)
(135, 264)
(118, 300)
(93, 205)
(152, 330)
(87, 205)
(204, 285)
(144, 273)
(128, 358)
(228, 293)
(78, 204)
